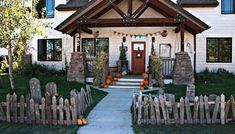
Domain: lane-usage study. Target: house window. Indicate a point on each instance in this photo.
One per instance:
(45, 8)
(219, 50)
(50, 50)
(94, 46)
(228, 7)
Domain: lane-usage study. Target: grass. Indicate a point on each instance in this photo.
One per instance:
(63, 88)
(206, 84)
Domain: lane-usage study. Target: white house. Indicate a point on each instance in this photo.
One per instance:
(203, 28)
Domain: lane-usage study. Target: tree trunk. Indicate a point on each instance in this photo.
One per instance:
(10, 62)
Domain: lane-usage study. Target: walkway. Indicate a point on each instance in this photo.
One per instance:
(111, 115)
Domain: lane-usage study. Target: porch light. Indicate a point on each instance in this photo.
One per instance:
(164, 33)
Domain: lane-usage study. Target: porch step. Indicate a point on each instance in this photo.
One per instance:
(124, 86)
(129, 80)
(130, 83)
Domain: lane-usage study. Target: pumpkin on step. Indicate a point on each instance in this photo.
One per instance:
(141, 87)
(146, 82)
(116, 79)
(110, 77)
(84, 121)
(108, 81)
(118, 75)
(142, 83)
(80, 122)
(106, 86)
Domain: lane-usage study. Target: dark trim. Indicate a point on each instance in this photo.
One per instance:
(74, 44)
(218, 39)
(199, 5)
(224, 13)
(195, 54)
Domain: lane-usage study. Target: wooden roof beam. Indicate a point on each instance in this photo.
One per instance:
(117, 9)
(139, 11)
(129, 8)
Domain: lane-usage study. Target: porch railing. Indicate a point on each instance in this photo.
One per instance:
(90, 66)
(167, 67)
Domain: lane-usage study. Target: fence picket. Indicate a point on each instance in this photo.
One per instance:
(228, 104)
(8, 108)
(37, 114)
(188, 111)
(61, 111)
(67, 109)
(32, 112)
(2, 114)
(195, 113)
(201, 105)
(162, 105)
(216, 109)
(233, 106)
(140, 108)
(21, 109)
(43, 111)
(134, 106)
(73, 110)
(181, 111)
(152, 114)
(48, 108)
(175, 110)
(222, 109)
(14, 107)
(157, 111)
(146, 109)
(54, 110)
(208, 117)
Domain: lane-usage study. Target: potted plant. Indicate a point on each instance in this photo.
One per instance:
(122, 64)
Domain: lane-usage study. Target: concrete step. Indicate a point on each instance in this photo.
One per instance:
(129, 80)
(127, 83)
(124, 86)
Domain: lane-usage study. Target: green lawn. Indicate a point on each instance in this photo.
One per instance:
(206, 83)
(63, 88)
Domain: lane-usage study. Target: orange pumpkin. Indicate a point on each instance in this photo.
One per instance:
(110, 77)
(141, 87)
(116, 79)
(80, 122)
(84, 121)
(142, 83)
(108, 81)
(118, 75)
(146, 82)
(106, 86)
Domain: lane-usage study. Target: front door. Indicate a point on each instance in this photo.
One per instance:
(138, 57)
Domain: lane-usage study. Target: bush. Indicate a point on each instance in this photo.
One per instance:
(37, 69)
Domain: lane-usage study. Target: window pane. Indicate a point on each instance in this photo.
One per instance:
(227, 6)
(88, 46)
(49, 49)
(225, 50)
(212, 50)
(102, 45)
(50, 8)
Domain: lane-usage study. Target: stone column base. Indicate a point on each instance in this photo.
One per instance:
(183, 71)
(76, 71)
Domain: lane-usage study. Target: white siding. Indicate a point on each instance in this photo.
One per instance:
(221, 26)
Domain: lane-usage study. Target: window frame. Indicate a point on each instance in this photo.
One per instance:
(227, 13)
(94, 44)
(53, 48)
(218, 40)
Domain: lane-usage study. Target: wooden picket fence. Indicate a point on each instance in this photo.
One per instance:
(51, 110)
(148, 109)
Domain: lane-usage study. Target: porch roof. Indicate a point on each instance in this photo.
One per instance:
(89, 15)
(198, 3)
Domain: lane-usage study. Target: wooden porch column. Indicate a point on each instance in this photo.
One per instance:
(182, 36)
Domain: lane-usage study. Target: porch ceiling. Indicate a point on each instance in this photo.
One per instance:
(89, 17)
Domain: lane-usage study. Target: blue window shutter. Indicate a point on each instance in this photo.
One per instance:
(50, 4)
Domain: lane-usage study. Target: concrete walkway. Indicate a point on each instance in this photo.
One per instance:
(111, 115)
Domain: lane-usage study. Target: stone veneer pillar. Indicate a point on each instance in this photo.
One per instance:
(183, 71)
(76, 71)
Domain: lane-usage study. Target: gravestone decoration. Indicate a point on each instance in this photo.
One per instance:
(51, 88)
(190, 92)
(35, 90)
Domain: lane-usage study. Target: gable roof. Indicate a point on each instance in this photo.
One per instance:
(98, 6)
(198, 3)
(72, 5)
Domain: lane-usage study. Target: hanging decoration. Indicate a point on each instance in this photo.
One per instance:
(163, 33)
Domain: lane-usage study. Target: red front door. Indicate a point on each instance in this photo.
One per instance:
(138, 57)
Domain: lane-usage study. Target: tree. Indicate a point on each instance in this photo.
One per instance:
(18, 25)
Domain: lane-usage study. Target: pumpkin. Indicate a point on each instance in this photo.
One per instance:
(106, 86)
(141, 87)
(56, 94)
(146, 82)
(110, 77)
(84, 121)
(118, 75)
(142, 83)
(116, 79)
(108, 81)
(80, 122)
(80, 117)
